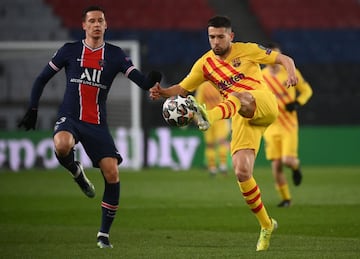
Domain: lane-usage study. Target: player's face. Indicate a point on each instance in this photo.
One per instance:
(94, 24)
(220, 40)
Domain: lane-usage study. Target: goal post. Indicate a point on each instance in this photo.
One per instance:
(20, 62)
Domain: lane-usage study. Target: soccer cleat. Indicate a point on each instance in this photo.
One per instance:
(103, 241)
(200, 113)
(284, 204)
(85, 185)
(265, 235)
(297, 177)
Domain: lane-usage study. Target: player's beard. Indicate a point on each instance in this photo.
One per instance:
(220, 51)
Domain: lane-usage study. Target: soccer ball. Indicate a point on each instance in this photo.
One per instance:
(177, 112)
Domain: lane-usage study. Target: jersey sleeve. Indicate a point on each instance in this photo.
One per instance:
(303, 88)
(260, 54)
(55, 64)
(194, 79)
(59, 59)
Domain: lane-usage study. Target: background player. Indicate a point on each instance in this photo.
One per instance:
(235, 70)
(281, 137)
(90, 66)
(216, 137)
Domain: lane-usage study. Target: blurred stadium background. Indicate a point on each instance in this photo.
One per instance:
(322, 36)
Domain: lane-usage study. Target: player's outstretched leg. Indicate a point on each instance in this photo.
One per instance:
(85, 185)
(200, 113)
(265, 235)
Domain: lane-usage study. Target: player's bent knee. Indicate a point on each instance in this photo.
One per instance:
(248, 104)
(63, 143)
(111, 176)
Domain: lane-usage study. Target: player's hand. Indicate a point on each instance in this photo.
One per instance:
(29, 119)
(292, 106)
(292, 81)
(155, 92)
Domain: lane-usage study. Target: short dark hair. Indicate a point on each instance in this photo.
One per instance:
(91, 8)
(219, 22)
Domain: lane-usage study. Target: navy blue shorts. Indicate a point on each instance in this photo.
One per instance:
(96, 139)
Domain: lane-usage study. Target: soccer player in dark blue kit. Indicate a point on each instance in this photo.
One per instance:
(91, 66)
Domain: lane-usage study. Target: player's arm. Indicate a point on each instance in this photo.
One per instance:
(144, 82)
(304, 91)
(187, 85)
(30, 117)
(289, 65)
(55, 65)
(157, 91)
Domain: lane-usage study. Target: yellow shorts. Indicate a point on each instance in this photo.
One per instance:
(247, 133)
(280, 142)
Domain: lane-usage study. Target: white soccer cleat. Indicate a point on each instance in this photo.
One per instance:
(84, 183)
(200, 113)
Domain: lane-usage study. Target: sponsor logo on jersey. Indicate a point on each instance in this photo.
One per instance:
(90, 77)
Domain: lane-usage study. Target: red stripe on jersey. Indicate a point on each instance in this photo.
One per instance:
(221, 73)
(283, 88)
(283, 122)
(89, 108)
(232, 70)
(281, 93)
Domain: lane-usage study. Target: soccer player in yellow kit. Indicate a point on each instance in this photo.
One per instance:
(216, 137)
(281, 137)
(234, 68)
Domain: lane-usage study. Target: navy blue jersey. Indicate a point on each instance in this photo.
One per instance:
(89, 75)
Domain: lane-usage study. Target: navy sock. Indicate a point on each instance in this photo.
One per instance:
(109, 205)
(68, 162)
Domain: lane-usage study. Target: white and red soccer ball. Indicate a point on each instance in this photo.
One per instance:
(177, 111)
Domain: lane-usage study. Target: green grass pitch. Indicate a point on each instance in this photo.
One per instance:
(179, 214)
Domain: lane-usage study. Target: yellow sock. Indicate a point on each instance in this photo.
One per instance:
(284, 191)
(210, 157)
(251, 193)
(225, 109)
(223, 153)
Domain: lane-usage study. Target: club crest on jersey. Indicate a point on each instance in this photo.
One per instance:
(102, 63)
(236, 62)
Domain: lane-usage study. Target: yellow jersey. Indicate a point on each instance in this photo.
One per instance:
(240, 71)
(300, 93)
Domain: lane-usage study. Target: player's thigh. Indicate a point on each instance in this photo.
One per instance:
(65, 135)
(98, 143)
(245, 135)
(266, 108)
